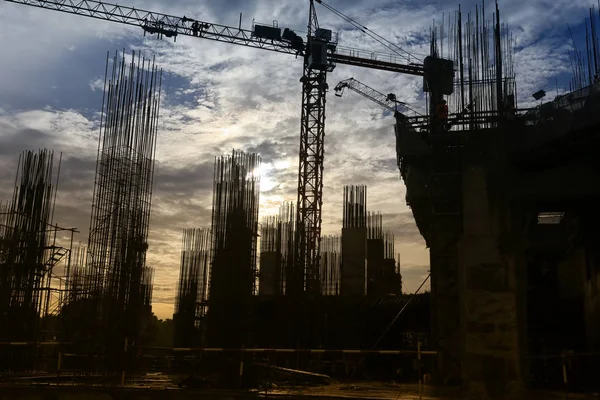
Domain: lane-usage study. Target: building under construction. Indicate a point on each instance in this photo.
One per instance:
(276, 250)
(29, 256)
(234, 233)
(192, 290)
(239, 315)
(366, 267)
(331, 263)
(117, 281)
(504, 200)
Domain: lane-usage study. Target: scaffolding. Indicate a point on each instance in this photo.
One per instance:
(30, 285)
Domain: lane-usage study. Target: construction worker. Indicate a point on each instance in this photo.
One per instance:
(195, 28)
(441, 114)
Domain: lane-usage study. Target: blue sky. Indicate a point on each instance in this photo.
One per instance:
(219, 96)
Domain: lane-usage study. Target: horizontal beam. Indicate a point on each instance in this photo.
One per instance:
(416, 69)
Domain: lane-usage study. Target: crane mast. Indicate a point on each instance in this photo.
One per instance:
(317, 62)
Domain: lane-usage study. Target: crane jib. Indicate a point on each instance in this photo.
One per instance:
(378, 64)
(172, 26)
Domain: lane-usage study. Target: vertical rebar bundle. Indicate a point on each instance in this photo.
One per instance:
(192, 289)
(78, 277)
(331, 262)
(277, 250)
(269, 281)
(355, 206)
(483, 50)
(374, 225)
(585, 66)
(270, 231)
(388, 246)
(234, 236)
(26, 241)
(353, 274)
(391, 272)
(375, 254)
(287, 216)
(121, 204)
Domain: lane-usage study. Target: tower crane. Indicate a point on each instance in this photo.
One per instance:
(320, 54)
(389, 101)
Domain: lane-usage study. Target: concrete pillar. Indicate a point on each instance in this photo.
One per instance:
(354, 254)
(488, 265)
(445, 307)
(375, 267)
(592, 295)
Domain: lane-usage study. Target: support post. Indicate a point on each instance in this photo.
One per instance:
(488, 289)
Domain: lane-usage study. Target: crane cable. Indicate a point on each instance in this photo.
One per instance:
(400, 312)
(381, 40)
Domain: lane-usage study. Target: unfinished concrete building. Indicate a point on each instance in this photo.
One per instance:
(234, 233)
(505, 203)
(276, 250)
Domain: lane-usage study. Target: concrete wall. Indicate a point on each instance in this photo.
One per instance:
(592, 299)
(488, 290)
(354, 254)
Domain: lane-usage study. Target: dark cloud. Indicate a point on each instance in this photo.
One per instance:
(403, 226)
(269, 150)
(24, 139)
(184, 180)
(77, 174)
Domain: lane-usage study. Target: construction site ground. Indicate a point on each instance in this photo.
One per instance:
(162, 389)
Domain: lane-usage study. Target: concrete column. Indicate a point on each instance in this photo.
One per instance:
(488, 289)
(354, 255)
(445, 307)
(269, 273)
(592, 296)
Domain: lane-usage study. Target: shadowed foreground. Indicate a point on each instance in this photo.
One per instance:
(366, 390)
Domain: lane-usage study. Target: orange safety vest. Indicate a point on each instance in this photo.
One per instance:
(442, 111)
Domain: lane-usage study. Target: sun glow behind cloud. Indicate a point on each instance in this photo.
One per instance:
(271, 186)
